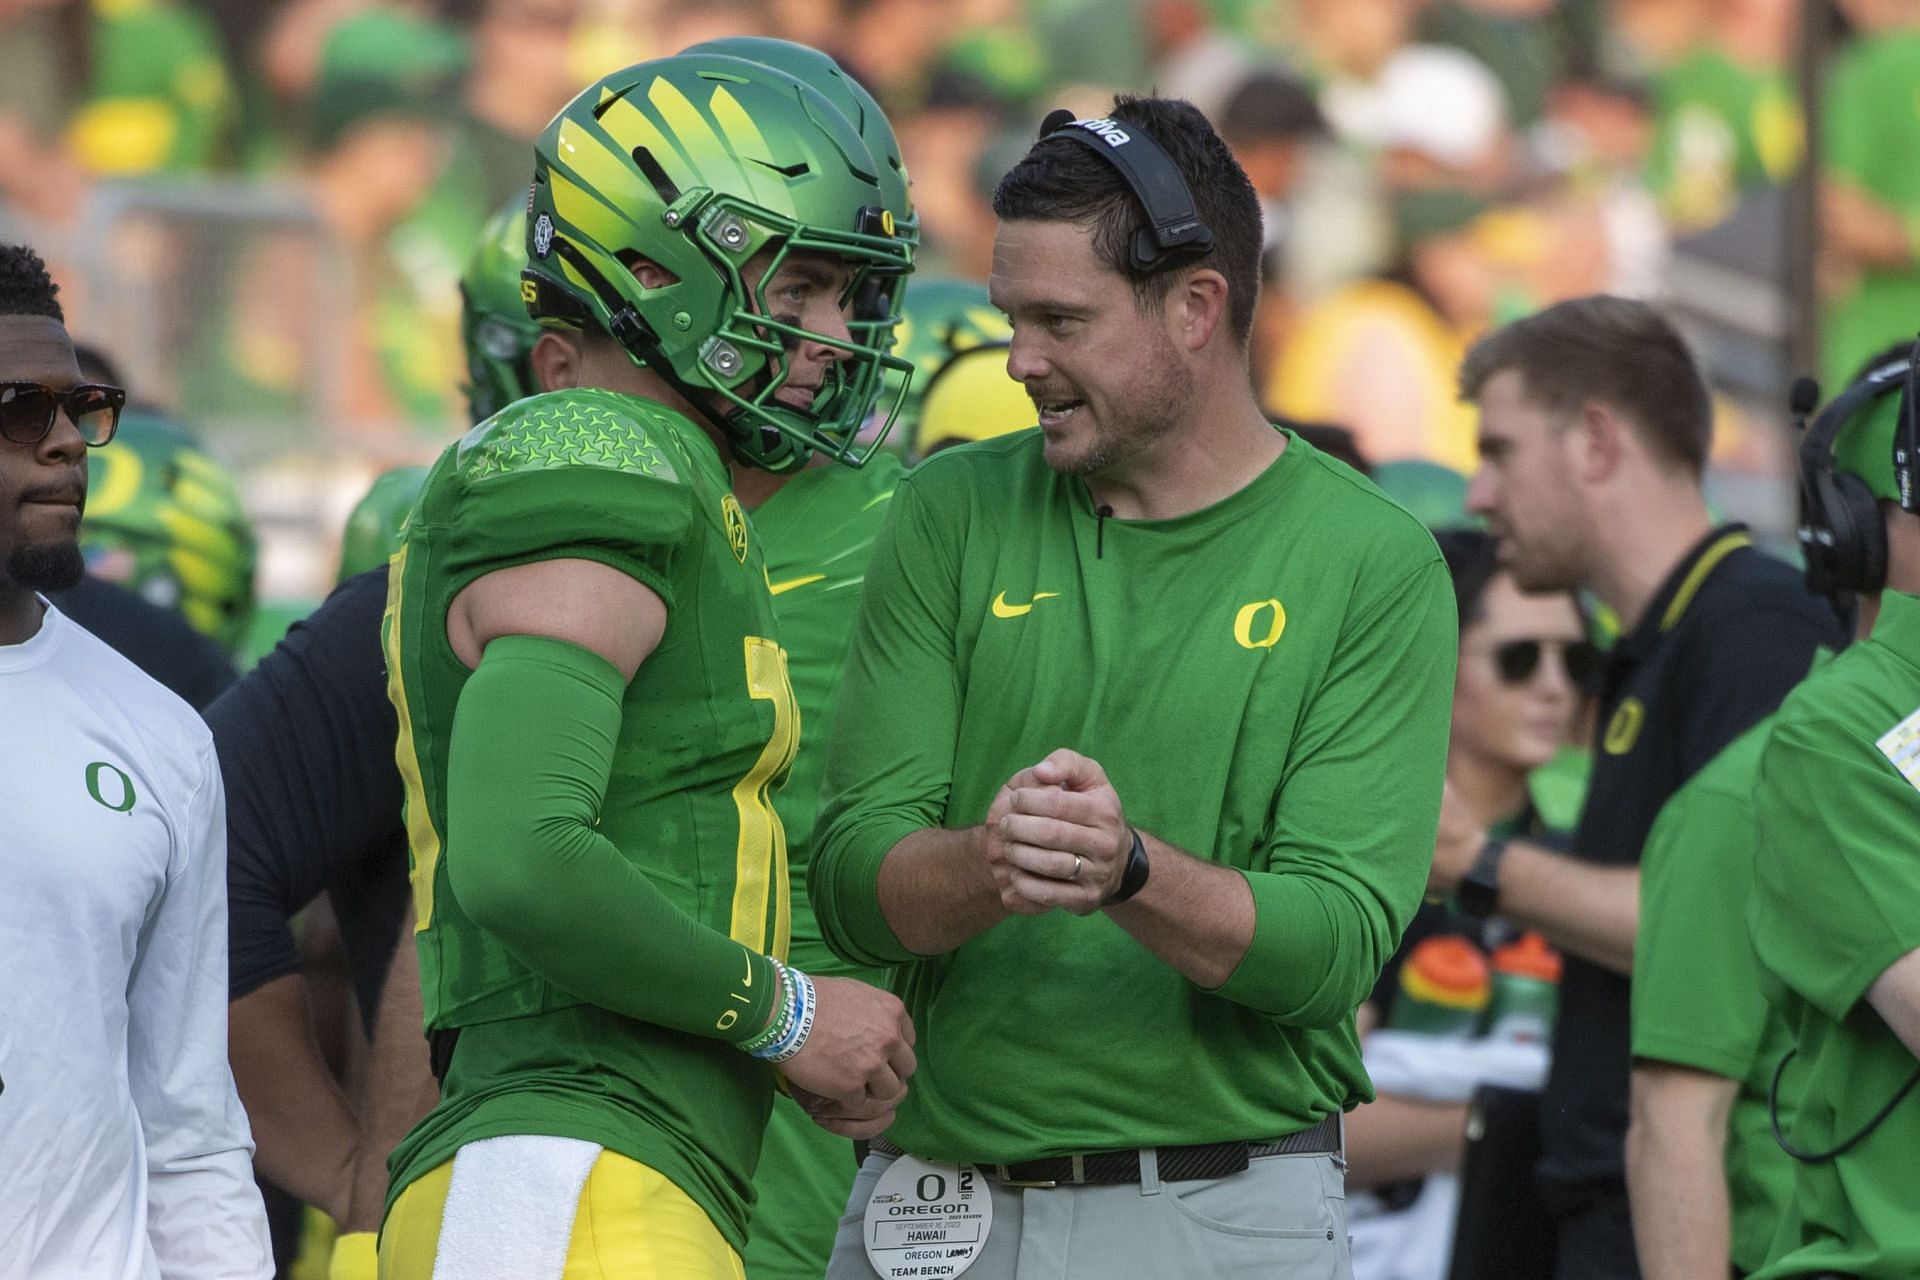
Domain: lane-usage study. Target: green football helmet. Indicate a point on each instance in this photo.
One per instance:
(164, 519)
(374, 527)
(495, 328)
(879, 304)
(940, 319)
(698, 164)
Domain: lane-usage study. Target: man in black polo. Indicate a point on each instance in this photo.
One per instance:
(1594, 427)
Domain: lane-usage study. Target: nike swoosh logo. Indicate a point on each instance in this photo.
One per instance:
(778, 588)
(1001, 609)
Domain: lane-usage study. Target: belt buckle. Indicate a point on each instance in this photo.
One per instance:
(1077, 1177)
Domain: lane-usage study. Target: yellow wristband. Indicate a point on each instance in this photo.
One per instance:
(355, 1257)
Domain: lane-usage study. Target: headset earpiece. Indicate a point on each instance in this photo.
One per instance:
(1841, 533)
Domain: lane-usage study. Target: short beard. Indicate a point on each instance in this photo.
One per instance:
(46, 566)
(1150, 417)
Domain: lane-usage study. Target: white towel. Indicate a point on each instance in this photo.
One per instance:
(510, 1208)
(1438, 1069)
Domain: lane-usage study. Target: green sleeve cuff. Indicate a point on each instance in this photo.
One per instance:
(1297, 969)
(844, 885)
(528, 765)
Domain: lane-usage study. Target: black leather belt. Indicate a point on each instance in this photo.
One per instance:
(1177, 1164)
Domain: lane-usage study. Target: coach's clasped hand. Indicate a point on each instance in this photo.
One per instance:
(1057, 836)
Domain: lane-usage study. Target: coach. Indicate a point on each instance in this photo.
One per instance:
(1137, 759)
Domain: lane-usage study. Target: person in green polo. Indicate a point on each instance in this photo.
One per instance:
(1135, 769)
(1832, 913)
(1707, 1183)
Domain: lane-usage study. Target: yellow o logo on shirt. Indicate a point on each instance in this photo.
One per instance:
(1244, 625)
(1624, 729)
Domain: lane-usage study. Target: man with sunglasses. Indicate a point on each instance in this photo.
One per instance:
(123, 1148)
(1594, 428)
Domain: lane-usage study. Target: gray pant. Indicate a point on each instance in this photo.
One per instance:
(1284, 1218)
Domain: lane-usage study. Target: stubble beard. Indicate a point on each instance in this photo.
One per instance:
(1141, 422)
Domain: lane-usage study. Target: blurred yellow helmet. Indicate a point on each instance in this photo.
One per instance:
(972, 398)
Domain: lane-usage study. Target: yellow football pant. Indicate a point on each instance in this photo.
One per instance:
(632, 1224)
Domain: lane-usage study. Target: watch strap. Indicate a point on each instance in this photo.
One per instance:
(1134, 878)
(1479, 891)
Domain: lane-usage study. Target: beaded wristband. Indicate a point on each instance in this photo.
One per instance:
(796, 1039)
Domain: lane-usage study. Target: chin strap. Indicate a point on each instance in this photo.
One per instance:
(639, 341)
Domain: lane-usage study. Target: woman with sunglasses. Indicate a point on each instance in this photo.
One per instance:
(1440, 1004)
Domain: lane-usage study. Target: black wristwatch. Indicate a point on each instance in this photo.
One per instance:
(1134, 878)
(1479, 892)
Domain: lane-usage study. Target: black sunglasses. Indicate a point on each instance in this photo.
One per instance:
(1517, 660)
(27, 410)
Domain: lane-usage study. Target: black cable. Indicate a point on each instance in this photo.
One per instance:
(1822, 1157)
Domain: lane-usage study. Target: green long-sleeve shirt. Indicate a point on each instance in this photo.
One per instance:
(1267, 682)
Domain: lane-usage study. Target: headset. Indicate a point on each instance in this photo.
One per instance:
(1842, 536)
(1174, 232)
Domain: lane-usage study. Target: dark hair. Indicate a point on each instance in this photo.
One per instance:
(1473, 561)
(1271, 105)
(1614, 350)
(1061, 181)
(25, 287)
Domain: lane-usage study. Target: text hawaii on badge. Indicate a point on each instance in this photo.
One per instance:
(926, 1219)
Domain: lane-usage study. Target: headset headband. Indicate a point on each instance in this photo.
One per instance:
(1816, 447)
(1174, 231)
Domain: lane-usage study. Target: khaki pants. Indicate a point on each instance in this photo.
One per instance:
(1284, 1217)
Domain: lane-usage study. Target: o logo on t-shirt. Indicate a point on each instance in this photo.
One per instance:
(115, 792)
(1248, 634)
(1624, 729)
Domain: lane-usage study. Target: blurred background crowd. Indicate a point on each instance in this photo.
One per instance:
(259, 209)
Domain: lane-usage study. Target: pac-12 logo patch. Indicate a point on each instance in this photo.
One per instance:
(736, 521)
(542, 236)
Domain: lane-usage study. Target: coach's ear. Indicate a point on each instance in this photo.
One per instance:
(1197, 309)
(556, 360)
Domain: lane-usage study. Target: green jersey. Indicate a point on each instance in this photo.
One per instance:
(1697, 998)
(818, 530)
(708, 727)
(1834, 881)
(1722, 129)
(1267, 683)
(1872, 120)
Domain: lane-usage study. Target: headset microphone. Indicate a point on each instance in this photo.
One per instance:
(1804, 397)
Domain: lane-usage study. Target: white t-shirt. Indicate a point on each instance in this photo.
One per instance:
(124, 1152)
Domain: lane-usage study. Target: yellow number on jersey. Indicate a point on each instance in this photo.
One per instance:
(760, 858)
(423, 841)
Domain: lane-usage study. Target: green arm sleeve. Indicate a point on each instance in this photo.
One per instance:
(528, 764)
(889, 769)
(1835, 878)
(1355, 816)
(1697, 998)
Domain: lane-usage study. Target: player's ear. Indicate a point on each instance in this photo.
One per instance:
(556, 360)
